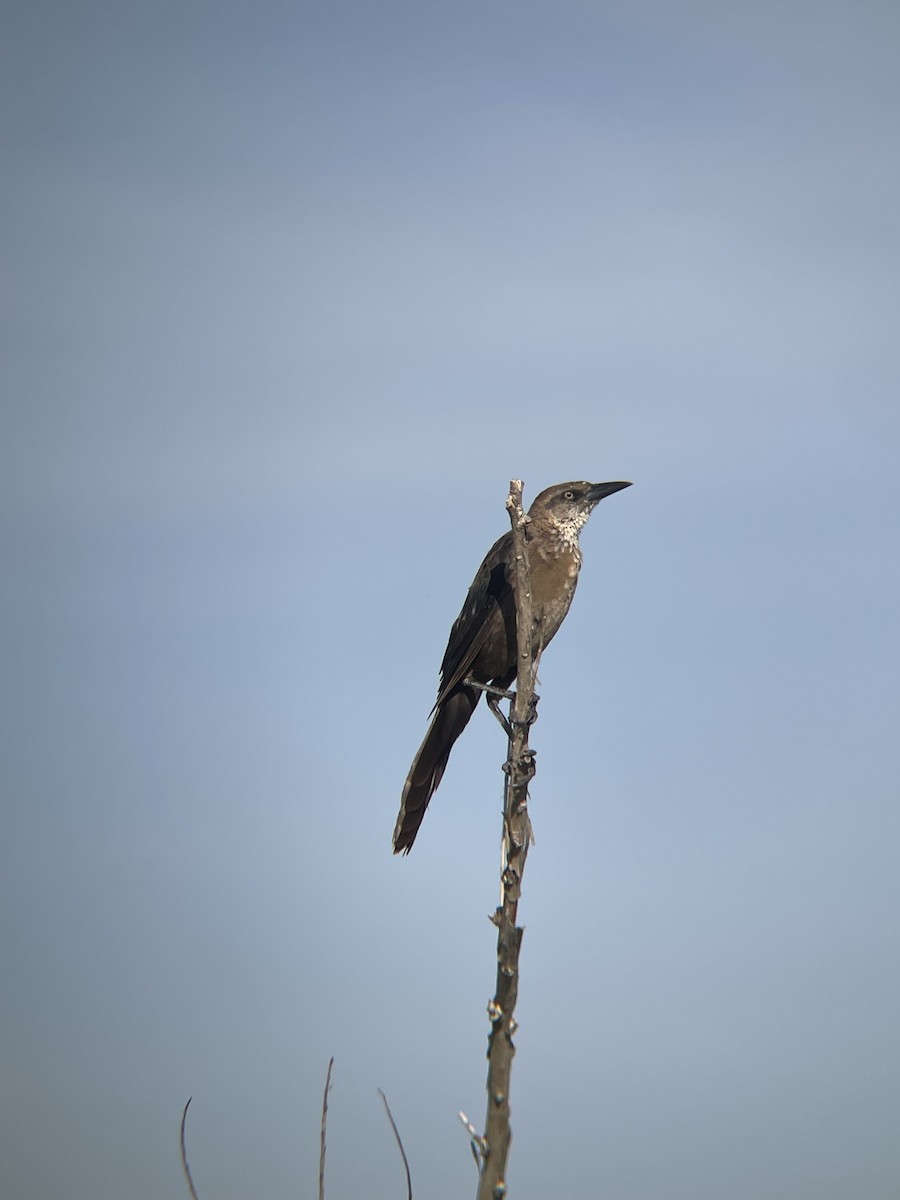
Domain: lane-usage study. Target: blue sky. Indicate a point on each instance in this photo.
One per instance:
(290, 292)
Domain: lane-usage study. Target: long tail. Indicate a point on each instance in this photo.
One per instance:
(450, 719)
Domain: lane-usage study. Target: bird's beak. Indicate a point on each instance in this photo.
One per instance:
(599, 491)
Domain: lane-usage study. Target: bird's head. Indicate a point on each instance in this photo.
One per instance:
(567, 506)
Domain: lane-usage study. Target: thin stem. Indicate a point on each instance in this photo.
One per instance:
(184, 1161)
(390, 1117)
(324, 1123)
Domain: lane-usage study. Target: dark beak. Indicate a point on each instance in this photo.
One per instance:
(599, 491)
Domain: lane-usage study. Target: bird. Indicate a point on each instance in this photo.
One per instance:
(482, 646)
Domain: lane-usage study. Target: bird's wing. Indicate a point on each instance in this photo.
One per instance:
(473, 625)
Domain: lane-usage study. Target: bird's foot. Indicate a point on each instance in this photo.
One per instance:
(530, 717)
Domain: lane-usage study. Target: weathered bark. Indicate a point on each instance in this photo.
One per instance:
(519, 770)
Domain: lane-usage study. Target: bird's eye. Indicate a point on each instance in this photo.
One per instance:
(569, 495)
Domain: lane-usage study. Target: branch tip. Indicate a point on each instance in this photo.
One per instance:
(390, 1117)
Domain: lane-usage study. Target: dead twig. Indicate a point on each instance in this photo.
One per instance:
(324, 1123)
(387, 1109)
(184, 1161)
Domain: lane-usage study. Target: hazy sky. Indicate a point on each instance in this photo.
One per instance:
(289, 292)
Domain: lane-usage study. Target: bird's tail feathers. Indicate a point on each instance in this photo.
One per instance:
(450, 719)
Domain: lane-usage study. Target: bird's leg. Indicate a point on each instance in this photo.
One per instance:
(490, 690)
(493, 703)
(494, 695)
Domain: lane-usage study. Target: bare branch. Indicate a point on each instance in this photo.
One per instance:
(387, 1109)
(519, 769)
(184, 1161)
(324, 1123)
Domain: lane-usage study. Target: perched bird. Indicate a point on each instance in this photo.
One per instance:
(482, 644)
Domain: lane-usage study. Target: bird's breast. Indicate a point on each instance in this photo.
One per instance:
(553, 581)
